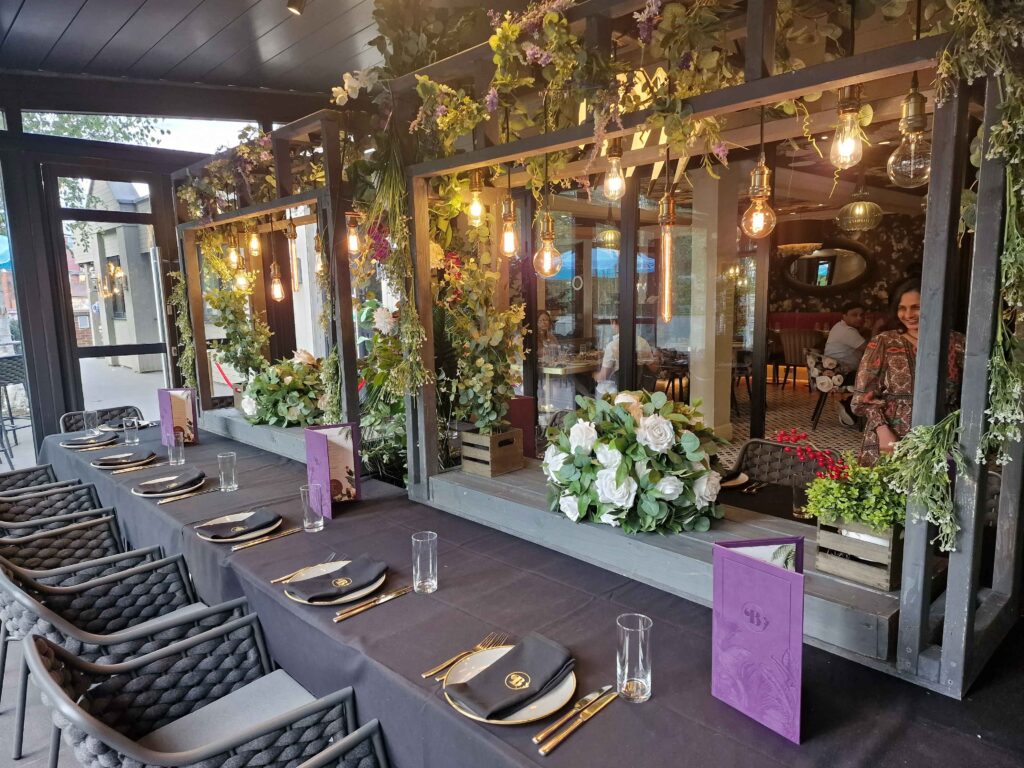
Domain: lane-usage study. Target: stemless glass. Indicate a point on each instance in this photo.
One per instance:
(91, 422)
(176, 452)
(131, 430)
(226, 466)
(312, 520)
(800, 501)
(633, 661)
(424, 562)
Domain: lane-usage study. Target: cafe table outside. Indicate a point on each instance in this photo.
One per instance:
(490, 581)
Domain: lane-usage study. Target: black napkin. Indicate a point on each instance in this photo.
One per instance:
(118, 460)
(88, 440)
(358, 574)
(531, 669)
(260, 518)
(184, 479)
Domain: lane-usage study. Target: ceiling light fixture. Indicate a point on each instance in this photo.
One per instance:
(276, 286)
(860, 214)
(292, 235)
(297, 6)
(509, 240)
(910, 164)
(475, 210)
(759, 219)
(667, 221)
(614, 180)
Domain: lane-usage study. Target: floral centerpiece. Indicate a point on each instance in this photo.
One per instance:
(635, 460)
(286, 394)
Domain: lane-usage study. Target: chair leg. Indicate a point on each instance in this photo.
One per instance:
(785, 376)
(3, 656)
(19, 717)
(819, 408)
(54, 746)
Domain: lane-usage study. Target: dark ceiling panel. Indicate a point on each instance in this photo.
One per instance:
(200, 25)
(263, 17)
(37, 27)
(326, 70)
(8, 13)
(249, 66)
(145, 29)
(89, 32)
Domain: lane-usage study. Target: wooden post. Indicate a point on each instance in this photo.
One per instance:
(280, 314)
(948, 160)
(531, 361)
(629, 224)
(759, 56)
(192, 268)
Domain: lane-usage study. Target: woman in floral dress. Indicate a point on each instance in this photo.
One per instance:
(884, 390)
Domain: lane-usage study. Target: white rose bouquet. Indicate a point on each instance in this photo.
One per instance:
(635, 460)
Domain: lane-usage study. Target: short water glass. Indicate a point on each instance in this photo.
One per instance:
(131, 430)
(424, 562)
(800, 502)
(176, 451)
(312, 497)
(633, 661)
(226, 467)
(91, 422)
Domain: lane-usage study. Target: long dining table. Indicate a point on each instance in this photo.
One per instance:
(488, 581)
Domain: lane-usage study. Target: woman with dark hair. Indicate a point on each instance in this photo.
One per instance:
(884, 389)
(547, 342)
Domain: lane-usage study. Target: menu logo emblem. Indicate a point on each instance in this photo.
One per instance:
(238, 529)
(341, 582)
(517, 681)
(757, 620)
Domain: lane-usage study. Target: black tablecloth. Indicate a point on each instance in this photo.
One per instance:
(490, 581)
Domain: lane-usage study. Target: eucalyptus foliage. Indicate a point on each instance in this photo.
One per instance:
(287, 394)
(178, 299)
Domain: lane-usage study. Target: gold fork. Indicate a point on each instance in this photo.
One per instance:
(492, 640)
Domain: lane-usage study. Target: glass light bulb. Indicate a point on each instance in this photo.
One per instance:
(910, 164)
(242, 281)
(759, 219)
(353, 239)
(293, 259)
(509, 246)
(254, 244)
(665, 276)
(614, 181)
(847, 146)
(233, 257)
(277, 289)
(319, 263)
(475, 210)
(547, 261)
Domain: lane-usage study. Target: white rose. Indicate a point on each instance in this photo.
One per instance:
(249, 406)
(669, 487)
(655, 432)
(625, 398)
(302, 356)
(706, 489)
(642, 469)
(608, 457)
(570, 506)
(609, 519)
(383, 320)
(582, 435)
(608, 492)
(553, 461)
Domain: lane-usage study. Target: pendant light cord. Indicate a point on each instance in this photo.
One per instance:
(853, 30)
(762, 133)
(917, 36)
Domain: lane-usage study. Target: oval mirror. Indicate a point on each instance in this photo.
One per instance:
(826, 267)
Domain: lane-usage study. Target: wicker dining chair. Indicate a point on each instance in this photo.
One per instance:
(209, 700)
(363, 748)
(12, 372)
(46, 509)
(770, 462)
(93, 535)
(72, 421)
(107, 619)
(21, 480)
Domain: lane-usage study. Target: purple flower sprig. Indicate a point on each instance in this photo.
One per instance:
(646, 21)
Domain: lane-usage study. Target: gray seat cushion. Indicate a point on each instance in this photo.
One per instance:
(257, 702)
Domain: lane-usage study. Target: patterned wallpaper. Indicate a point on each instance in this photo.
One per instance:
(896, 246)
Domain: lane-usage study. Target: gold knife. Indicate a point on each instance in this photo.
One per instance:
(136, 469)
(587, 713)
(93, 448)
(371, 604)
(263, 539)
(579, 705)
(169, 499)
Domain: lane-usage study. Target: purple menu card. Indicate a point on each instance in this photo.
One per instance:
(332, 462)
(178, 413)
(758, 630)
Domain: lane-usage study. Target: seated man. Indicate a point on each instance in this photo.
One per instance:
(605, 376)
(846, 344)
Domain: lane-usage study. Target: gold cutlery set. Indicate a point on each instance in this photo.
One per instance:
(264, 539)
(138, 469)
(373, 602)
(493, 640)
(188, 495)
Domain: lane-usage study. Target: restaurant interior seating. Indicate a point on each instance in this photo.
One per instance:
(363, 748)
(72, 421)
(795, 342)
(220, 702)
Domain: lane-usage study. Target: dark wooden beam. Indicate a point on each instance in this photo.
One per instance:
(886, 62)
(629, 227)
(759, 56)
(118, 161)
(105, 217)
(309, 197)
(42, 91)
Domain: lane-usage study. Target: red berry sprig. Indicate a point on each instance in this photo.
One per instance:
(830, 465)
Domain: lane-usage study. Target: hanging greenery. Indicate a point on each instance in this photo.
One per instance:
(330, 386)
(178, 299)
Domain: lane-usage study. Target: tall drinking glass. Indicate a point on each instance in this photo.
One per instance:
(131, 430)
(312, 520)
(176, 451)
(91, 422)
(424, 562)
(226, 466)
(633, 661)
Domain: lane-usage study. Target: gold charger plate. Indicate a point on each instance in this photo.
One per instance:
(545, 706)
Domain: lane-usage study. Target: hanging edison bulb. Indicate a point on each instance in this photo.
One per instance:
(352, 239)
(254, 243)
(847, 145)
(614, 180)
(234, 257)
(509, 240)
(242, 280)
(276, 286)
(667, 221)
(475, 210)
(910, 164)
(292, 236)
(318, 248)
(547, 261)
(759, 219)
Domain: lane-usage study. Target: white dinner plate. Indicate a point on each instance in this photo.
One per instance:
(108, 442)
(237, 518)
(165, 494)
(322, 570)
(472, 665)
(736, 482)
(142, 463)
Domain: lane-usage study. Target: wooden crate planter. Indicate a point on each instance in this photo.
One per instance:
(494, 454)
(858, 553)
